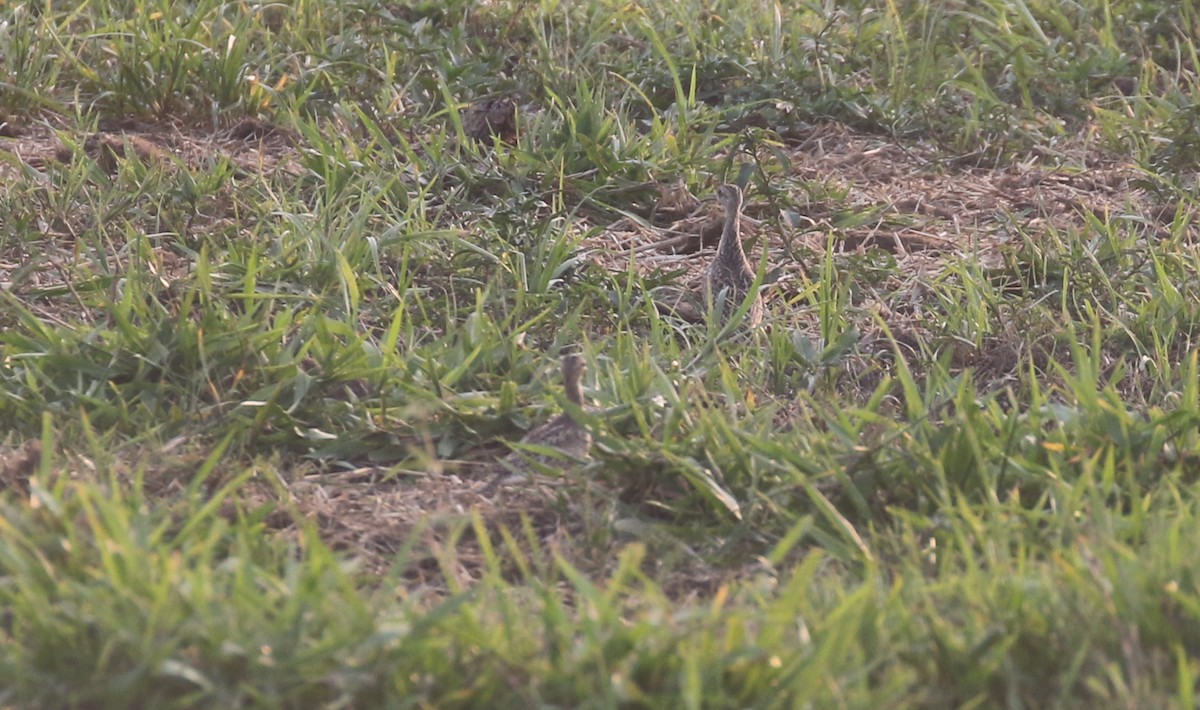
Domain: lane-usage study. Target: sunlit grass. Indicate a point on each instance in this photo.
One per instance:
(266, 384)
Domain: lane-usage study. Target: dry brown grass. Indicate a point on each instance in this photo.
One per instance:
(928, 212)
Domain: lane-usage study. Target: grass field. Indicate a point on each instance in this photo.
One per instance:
(281, 282)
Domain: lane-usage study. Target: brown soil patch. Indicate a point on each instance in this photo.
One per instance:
(926, 211)
(375, 522)
(922, 208)
(51, 262)
(254, 146)
(429, 523)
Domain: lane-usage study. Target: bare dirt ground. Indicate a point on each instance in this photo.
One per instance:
(925, 210)
(254, 146)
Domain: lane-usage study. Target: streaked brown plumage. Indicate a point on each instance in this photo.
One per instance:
(730, 272)
(561, 432)
(491, 117)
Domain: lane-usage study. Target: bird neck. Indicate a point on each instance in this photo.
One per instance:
(730, 248)
(574, 392)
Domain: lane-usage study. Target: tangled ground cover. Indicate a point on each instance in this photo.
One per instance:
(281, 282)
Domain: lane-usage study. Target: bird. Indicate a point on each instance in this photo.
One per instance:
(491, 117)
(562, 433)
(730, 272)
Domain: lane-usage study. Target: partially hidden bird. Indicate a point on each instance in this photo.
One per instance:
(562, 437)
(730, 272)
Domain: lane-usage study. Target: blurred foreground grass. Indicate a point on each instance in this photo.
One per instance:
(270, 310)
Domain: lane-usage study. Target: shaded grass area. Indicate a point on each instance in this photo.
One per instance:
(270, 313)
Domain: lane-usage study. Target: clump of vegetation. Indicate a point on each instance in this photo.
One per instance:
(283, 282)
